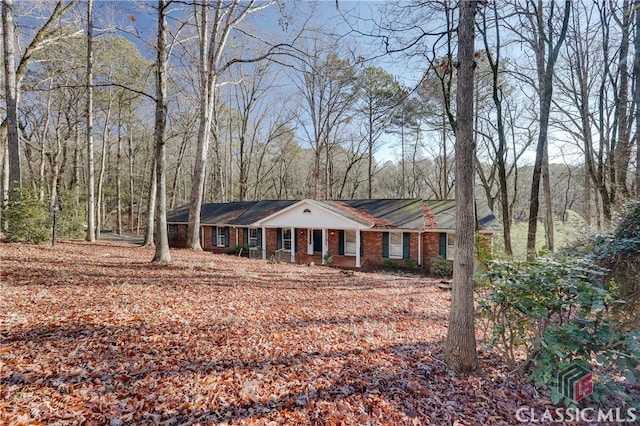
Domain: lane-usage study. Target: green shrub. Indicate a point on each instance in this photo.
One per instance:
(619, 254)
(410, 264)
(328, 259)
(28, 220)
(70, 219)
(556, 311)
(237, 250)
(441, 267)
(390, 263)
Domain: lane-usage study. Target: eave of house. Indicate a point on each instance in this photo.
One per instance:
(311, 214)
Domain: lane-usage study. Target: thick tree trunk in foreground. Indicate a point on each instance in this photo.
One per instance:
(162, 254)
(91, 197)
(460, 352)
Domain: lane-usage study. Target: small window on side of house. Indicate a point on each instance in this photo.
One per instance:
(220, 238)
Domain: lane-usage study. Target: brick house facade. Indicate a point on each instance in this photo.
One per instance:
(354, 233)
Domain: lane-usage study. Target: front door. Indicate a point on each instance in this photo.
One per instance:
(317, 241)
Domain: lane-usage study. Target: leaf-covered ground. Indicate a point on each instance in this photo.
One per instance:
(96, 334)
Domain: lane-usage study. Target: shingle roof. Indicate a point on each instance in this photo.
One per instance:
(389, 213)
(240, 213)
(443, 215)
(413, 214)
(260, 210)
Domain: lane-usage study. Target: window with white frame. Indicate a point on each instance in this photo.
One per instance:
(286, 239)
(350, 242)
(395, 245)
(451, 246)
(220, 238)
(253, 237)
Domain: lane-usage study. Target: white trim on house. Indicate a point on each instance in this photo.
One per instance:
(325, 244)
(318, 217)
(358, 245)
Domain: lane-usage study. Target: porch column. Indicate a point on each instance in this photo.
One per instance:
(324, 244)
(293, 245)
(419, 248)
(310, 242)
(264, 243)
(358, 243)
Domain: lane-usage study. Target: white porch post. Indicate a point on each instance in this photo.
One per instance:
(419, 248)
(324, 244)
(264, 243)
(358, 242)
(293, 245)
(310, 242)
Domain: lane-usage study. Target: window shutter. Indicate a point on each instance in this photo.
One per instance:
(278, 238)
(226, 236)
(385, 244)
(406, 245)
(245, 237)
(259, 242)
(443, 245)
(341, 243)
(295, 237)
(186, 231)
(361, 245)
(214, 235)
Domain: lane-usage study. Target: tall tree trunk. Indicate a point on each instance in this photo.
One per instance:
(162, 254)
(100, 213)
(75, 182)
(622, 150)
(118, 177)
(548, 202)
(149, 229)
(370, 148)
(91, 198)
(636, 92)
(501, 152)
(207, 86)
(545, 77)
(460, 352)
(11, 94)
(131, 183)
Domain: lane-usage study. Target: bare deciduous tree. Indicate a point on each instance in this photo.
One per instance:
(460, 351)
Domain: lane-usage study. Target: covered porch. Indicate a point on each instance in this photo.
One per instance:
(309, 232)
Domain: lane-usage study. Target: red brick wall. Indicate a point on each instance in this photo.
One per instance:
(179, 240)
(371, 241)
(372, 248)
(430, 247)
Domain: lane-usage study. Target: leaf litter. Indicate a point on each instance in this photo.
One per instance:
(96, 334)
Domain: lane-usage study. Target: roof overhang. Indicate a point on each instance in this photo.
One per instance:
(309, 214)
